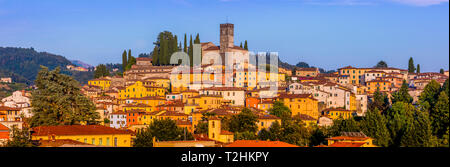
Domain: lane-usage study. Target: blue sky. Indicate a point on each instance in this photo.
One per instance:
(325, 33)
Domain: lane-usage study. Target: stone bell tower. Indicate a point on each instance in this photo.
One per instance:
(226, 37)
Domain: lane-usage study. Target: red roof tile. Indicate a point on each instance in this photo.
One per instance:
(66, 130)
(258, 143)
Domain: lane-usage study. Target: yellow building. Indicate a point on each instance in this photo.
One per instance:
(150, 102)
(265, 121)
(140, 106)
(355, 74)
(351, 139)
(188, 94)
(148, 118)
(159, 82)
(91, 134)
(373, 85)
(336, 113)
(216, 133)
(301, 104)
(307, 72)
(139, 89)
(206, 101)
(104, 83)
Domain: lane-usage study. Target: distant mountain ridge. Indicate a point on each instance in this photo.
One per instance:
(23, 64)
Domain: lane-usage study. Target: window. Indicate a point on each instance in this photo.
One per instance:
(93, 141)
(100, 141)
(115, 142)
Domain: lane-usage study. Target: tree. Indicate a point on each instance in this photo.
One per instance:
(155, 56)
(440, 115)
(244, 121)
(202, 127)
(20, 138)
(124, 60)
(343, 125)
(418, 68)
(380, 101)
(402, 95)
(294, 132)
(197, 39)
(429, 95)
(161, 130)
(441, 71)
(101, 71)
(191, 52)
(280, 110)
(318, 137)
(381, 64)
(274, 133)
(400, 116)
(302, 65)
(245, 45)
(420, 133)
(241, 45)
(185, 44)
(58, 101)
(131, 62)
(375, 125)
(246, 135)
(411, 66)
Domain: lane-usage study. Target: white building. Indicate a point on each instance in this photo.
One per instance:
(118, 120)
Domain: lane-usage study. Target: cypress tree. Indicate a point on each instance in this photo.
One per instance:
(155, 57)
(191, 51)
(185, 43)
(411, 68)
(197, 39)
(241, 45)
(418, 68)
(129, 55)
(245, 45)
(124, 60)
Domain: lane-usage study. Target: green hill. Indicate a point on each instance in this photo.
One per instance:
(23, 64)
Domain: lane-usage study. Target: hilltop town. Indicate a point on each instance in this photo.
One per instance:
(143, 105)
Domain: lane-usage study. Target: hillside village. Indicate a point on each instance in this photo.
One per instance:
(201, 104)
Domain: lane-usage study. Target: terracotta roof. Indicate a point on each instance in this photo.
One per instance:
(224, 132)
(307, 69)
(65, 130)
(143, 59)
(305, 117)
(224, 89)
(4, 108)
(173, 113)
(212, 48)
(258, 143)
(3, 127)
(63, 143)
(183, 122)
(291, 96)
(346, 144)
(148, 98)
(261, 116)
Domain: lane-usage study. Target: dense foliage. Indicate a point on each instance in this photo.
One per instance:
(23, 64)
(58, 101)
(161, 130)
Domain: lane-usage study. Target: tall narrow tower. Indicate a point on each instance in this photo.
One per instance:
(226, 37)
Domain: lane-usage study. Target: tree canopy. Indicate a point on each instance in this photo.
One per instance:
(58, 101)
